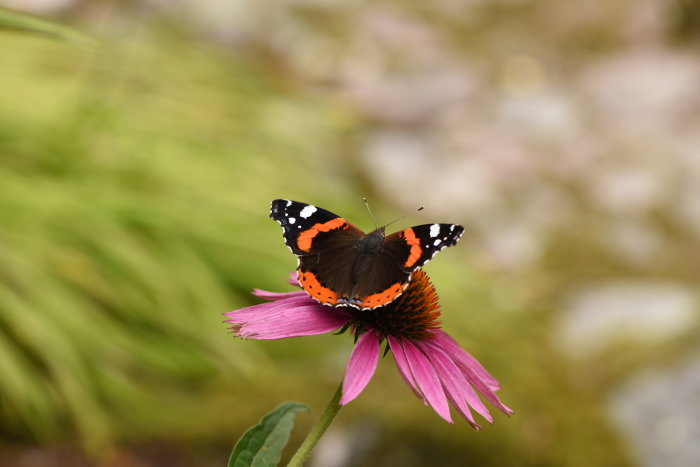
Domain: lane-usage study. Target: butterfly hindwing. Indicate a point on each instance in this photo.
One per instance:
(326, 273)
(379, 280)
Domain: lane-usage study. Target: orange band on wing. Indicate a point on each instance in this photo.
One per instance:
(313, 287)
(416, 251)
(383, 297)
(306, 237)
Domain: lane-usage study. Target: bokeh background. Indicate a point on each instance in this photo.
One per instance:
(140, 148)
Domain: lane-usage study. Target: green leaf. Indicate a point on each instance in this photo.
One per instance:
(262, 444)
(14, 20)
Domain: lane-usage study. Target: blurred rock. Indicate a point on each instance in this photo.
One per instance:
(512, 245)
(689, 208)
(648, 22)
(635, 240)
(643, 89)
(658, 413)
(346, 447)
(411, 99)
(401, 158)
(399, 70)
(545, 115)
(628, 190)
(229, 21)
(645, 312)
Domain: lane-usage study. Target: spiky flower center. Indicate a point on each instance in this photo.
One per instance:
(412, 316)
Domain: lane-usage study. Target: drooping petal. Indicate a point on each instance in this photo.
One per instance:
(277, 295)
(402, 365)
(289, 317)
(361, 366)
(263, 312)
(293, 279)
(263, 308)
(458, 388)
(427, 379)
(475, 374)
(447, 342)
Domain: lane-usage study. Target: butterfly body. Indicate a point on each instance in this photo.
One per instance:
(340, 265)
(367, 248)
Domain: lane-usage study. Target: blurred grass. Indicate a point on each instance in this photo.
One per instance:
(134, 189)
(134, 184)
(13, 20)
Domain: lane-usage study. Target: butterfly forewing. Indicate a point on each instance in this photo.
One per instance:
(324, 243)
(301, 222)
(415, 246)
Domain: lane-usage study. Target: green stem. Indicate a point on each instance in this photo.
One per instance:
(317, 431)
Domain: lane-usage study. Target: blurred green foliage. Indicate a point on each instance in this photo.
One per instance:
(134, 186)
(13, 20)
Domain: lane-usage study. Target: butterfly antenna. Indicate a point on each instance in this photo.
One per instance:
(370, 212)
(402, 217)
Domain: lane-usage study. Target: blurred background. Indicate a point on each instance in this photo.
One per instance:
(142, 141)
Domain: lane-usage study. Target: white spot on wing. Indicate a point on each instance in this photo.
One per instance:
(307, 211)
(289, 203)
(292, 220)
(437, 242)
(434, 230)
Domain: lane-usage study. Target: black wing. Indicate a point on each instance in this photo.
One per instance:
(325, 244)
(302, 223)
(413, 247)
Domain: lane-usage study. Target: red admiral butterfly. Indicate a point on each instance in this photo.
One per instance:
(340, 265)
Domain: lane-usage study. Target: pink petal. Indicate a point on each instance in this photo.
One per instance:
(402, 365)
(361, 366)
(268, 310)
(294, 279)
(457, 386)
(449, 344)
(475, 374)
(427, 379)
(290, 317)
(450, 378)
(277, 295)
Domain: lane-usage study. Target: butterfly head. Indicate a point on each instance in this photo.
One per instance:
(371, 243)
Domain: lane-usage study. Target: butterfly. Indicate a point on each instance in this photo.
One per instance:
(340, 265)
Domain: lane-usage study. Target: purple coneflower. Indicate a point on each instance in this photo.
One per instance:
(431, 363)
